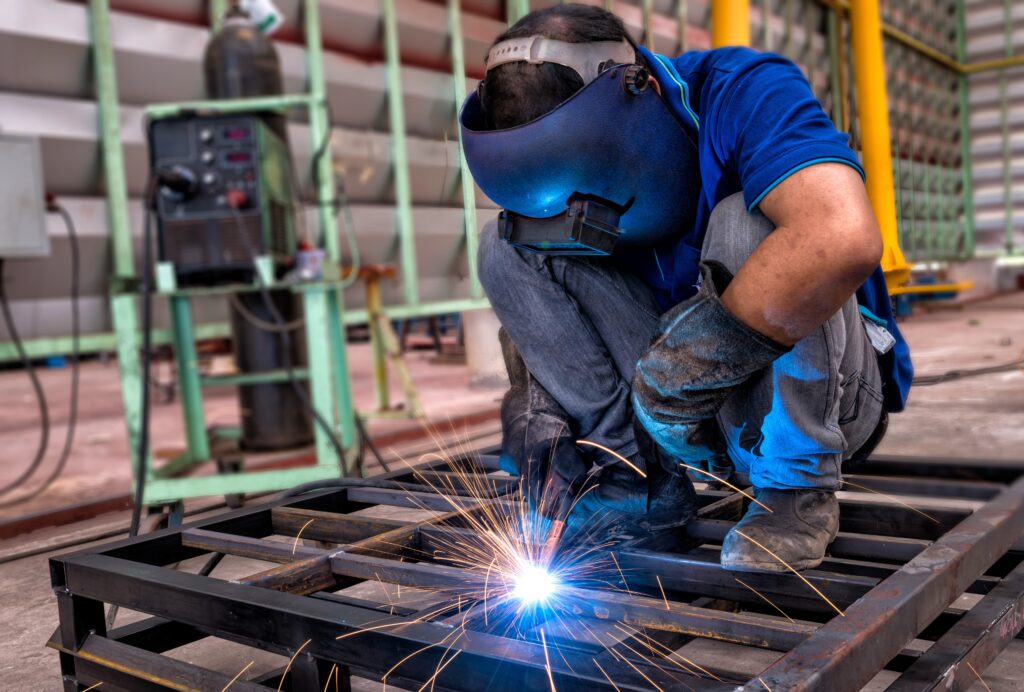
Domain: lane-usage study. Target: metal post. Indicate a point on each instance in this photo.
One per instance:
(835, 84)
(1004, 114)
(380, 363)
(400, 154)
(122, 304)
(516, 10)
(647, 10)
(336, 400)
(469, 221)
(189, 382)
(873, 105)
(963, 105)
(730, 23)
(216, 8)
(682, 10)
(105, 76)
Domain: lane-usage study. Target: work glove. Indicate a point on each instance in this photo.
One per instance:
(700, 355)
(537, 441)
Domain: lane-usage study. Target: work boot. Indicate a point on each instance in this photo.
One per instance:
(625, 504)
(798, 530)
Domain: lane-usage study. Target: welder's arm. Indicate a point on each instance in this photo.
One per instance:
(825, 245)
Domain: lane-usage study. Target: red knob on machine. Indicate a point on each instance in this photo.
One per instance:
(237, 199)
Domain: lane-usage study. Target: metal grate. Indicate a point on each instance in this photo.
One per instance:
(895, 571)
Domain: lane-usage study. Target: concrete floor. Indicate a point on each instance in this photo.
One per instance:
(981, 417)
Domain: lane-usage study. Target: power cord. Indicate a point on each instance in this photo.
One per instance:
(959, 374)
(69, 437)
(44, 413)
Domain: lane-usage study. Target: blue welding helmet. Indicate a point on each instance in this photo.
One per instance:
(610, 166)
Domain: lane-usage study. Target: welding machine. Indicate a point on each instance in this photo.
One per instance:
(217, 178)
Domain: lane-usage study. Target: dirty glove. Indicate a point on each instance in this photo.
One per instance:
(701, 354)
(537, 440)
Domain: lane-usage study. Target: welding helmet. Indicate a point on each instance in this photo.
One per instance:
(610, 166)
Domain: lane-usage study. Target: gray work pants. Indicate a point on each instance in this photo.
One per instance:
(581, 324)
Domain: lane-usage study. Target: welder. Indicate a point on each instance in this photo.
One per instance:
(686, 269)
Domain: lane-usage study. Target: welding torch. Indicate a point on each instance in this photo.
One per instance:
(559, 517)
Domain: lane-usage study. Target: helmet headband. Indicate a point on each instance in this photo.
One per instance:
(585, 58)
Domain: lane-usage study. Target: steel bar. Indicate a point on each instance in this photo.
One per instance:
(973, 642)
(145, 670)
(853, 648)
(329, 526)
(849, 545)
(631, 609)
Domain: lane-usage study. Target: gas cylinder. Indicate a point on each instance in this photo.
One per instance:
(241, 62)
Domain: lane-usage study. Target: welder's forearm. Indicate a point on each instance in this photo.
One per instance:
(826, 242)
(794, 282)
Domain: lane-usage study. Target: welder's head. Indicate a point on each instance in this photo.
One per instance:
(570, 136)
(515, 91)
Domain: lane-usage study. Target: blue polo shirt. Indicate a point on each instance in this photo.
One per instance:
(756, 122)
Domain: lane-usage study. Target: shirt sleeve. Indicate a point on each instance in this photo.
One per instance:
(768, 125)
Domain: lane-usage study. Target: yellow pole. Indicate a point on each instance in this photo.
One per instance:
(730, 23)
(873, 113)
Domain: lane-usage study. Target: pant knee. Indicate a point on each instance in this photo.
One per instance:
(734, 232)
(500, 265)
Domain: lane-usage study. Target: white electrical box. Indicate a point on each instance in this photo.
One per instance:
(22, 207)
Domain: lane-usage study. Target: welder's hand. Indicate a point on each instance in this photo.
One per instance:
(701, 355)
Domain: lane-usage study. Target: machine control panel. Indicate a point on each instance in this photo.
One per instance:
(198, 161)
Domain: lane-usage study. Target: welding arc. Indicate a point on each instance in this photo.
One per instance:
(69, 436)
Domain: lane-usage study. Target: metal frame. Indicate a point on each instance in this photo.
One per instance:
(895, 573)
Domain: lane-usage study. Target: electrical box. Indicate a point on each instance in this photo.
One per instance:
(22, 207)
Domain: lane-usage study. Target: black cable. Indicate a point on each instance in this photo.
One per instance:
(951, 375)
(286, 339)
(69, 436)
(365, 437)
(44, 413)
(142, 449)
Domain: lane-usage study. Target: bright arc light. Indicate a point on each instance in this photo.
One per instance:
(534, 585)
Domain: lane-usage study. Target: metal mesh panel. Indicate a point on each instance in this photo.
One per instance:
(995, 30)
(924, 116)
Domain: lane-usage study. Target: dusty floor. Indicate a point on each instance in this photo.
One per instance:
(980, 417)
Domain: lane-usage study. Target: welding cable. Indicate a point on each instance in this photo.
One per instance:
(953, 375)
(266, 326)
(69, 436)
(364, 440)
(286, 340)
(142, 448)
(340, 206)
(44, 413)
